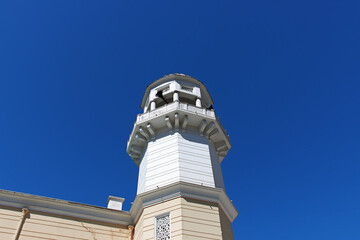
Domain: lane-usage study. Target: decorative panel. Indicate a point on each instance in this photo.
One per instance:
(162, 227)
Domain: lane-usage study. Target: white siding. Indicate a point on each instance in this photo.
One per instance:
(45, 226)
(142, 174)
(177, 157)
(215, 161)
(194, 159)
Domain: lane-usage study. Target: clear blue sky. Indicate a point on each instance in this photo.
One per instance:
(284, 76)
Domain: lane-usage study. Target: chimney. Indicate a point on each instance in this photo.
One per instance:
(115, 203)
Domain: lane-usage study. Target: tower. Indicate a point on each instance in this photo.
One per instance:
(178, 143)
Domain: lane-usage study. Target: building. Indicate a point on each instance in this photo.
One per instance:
(178, 143)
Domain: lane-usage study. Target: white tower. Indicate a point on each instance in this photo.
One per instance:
(178, 144)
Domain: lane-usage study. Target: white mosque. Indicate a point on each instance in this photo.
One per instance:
(178, 144)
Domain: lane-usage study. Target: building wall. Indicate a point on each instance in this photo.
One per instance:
(49, 226)
(190, 219)
(226, 227)
(178, 157)
(142, 174)
(195, 160)
(200, 220)
(216, 167)
(144, 228)
(159, 167)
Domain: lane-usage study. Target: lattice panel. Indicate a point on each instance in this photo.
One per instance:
(163, 227)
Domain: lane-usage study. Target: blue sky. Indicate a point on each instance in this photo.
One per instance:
(284, 76)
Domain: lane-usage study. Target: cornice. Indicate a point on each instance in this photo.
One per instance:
(177, 116)
(63, 207)
(186, 190)
(95, 213)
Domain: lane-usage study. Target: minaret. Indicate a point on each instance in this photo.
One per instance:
(178, 143)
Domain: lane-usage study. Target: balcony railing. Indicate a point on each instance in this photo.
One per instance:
(175, 105)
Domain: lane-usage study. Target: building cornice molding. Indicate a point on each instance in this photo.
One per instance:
(63, 207)
(180, 117)
(186, 190)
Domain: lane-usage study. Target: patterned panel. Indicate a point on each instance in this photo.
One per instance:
(162, 227)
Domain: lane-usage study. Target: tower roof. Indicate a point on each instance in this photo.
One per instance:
(177, 76)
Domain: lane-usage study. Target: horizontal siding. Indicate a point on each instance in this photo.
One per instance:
(177, 157)
(194, 160)
(215, 162)
(142, 174)
(162, 165)
(9, 221)
(46, 226)
(190, 219)
(200, 220)
(144, 229)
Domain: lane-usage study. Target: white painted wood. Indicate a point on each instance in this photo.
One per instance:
(142, 174)
(115, 203)
(186, 157)
(153, 106)
(215, 163)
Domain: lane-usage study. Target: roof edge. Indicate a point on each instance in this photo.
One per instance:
(63, 207)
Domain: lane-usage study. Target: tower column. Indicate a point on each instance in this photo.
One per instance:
(176, 96)
(198, 102)
(179, 149)
(152, 106)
